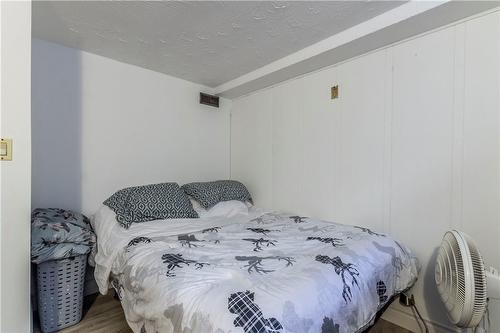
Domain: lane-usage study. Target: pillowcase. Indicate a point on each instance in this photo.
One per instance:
(150, 202)
(222, 209)
(208, 194)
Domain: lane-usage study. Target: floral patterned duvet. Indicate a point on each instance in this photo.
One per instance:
(256, 273)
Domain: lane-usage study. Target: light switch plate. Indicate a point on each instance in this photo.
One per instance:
(6, 149)
(335, 92)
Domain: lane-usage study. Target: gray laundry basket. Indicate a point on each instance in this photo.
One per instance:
(60, 292)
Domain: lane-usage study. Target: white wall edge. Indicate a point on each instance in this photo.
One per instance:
(15, 183)
(1, 134)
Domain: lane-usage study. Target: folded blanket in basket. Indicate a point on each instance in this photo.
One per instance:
(58, 233)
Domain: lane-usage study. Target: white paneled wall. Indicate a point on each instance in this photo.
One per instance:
(253, 127)
(360, 159)
(287, 162)
(422, 149)
(319, 125)
(411, 147)
(480, 156)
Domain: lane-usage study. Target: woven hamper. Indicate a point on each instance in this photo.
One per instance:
(60, 292)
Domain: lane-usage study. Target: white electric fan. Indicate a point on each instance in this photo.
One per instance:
(462, 280)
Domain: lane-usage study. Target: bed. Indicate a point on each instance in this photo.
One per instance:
(254, 273)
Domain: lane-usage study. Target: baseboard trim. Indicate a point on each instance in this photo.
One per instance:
(408, 321)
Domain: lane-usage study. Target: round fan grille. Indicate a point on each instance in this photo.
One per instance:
(460, 279)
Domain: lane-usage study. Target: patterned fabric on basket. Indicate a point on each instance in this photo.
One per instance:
(208, 194)
(150, 202)
(57, 234)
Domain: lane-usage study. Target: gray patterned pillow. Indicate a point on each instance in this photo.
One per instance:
(208, 194)
(150, 202)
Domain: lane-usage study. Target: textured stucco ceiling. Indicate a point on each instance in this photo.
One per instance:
(208, 42)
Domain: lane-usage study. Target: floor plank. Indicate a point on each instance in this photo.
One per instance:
(104, 314)
(383, 326)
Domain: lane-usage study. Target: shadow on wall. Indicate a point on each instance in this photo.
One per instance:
(56, 132)
(56, 128)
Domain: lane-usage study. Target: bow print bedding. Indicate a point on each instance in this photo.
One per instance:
(260, 273)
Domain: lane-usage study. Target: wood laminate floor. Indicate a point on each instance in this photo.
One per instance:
(103, 314)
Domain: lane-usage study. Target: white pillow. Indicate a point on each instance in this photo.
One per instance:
(222, 209)
(197, 207)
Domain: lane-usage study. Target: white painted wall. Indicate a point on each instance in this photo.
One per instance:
(411, 147)
(100, 125)
(15, 175)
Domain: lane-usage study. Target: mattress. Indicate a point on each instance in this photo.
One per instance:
(256, 273)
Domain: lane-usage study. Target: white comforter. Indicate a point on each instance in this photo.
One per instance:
(255, 273)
